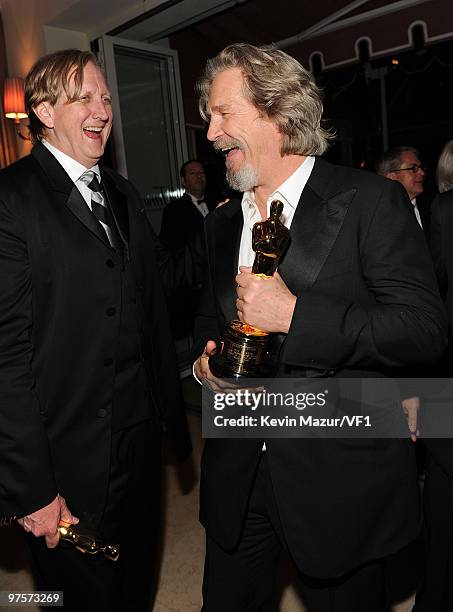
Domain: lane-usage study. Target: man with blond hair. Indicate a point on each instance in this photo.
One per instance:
(87, 371)
(354, 296)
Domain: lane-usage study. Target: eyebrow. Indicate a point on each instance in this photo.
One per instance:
(91, 92)
(220, 108)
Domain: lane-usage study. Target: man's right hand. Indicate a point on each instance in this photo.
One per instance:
(201, 366)
(44, 522)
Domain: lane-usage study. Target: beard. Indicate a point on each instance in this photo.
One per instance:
(243, 179)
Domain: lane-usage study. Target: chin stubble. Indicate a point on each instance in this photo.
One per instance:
(243, 179)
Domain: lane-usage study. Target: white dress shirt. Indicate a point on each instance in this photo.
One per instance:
(417, 212)
(288, 193)
(200, 206)
(75, 170)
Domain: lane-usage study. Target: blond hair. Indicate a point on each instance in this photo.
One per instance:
(444, 172)
(50, 77)
(280, 87)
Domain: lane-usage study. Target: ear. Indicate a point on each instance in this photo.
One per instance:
(44, 112)
(183, 181)
(390, 175)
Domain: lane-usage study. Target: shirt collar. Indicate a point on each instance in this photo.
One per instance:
(289, 191)
(194, 199)
(72, 167)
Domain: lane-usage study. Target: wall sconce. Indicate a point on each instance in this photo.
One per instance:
(13, 102)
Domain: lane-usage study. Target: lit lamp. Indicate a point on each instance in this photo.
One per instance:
(13, 102)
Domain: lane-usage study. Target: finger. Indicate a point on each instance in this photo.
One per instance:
(412, 421)
(245, 269)
(240, 292)
(210, 347)
(52, 540)
(65, 514)
(202, 369)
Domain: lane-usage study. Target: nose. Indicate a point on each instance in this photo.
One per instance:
(100, 110)
(214, 130)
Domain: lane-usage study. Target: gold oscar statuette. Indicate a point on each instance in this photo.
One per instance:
(86, 542)
(244, 350)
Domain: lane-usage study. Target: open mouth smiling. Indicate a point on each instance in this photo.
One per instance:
(92, 131)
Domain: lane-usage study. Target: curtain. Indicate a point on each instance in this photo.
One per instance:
(8, 138)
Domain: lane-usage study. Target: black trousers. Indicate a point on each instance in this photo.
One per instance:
(131, 519)
(243, 580)
(435, 594)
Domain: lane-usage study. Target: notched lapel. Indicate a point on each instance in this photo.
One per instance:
(314, 229)
(118, 205)
(79, 208)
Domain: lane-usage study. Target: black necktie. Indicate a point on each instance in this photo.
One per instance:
(98, 204)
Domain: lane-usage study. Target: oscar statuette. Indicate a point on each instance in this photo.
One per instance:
(244, 350)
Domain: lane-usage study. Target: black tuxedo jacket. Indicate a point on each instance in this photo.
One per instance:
(367, 305)
(442, 253)
(60, 292)
(181, 222)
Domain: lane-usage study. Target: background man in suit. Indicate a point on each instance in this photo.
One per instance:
(184, 217)
(354, 296)
(403, 164)
(87, 370)
(182, 224)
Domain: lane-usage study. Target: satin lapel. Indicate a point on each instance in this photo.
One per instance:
(79, 208)
(226, 253)
(314, 228)
(118, 205)
(67, 192)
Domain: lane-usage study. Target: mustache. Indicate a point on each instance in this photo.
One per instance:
(222, 144)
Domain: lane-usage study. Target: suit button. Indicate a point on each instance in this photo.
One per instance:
(134, 300)
(108, 362)
(110, 311)
(101, 413)
(110, 263)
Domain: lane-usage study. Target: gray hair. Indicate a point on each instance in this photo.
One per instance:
(444, 171)
(390, 160)
(280, 87)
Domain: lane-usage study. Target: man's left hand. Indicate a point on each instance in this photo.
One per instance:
(411, 406)
(266, 303)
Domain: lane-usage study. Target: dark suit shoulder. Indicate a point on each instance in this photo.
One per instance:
(444, 201)
(332, 178)
(19, 185)
(225, 211)
(119, 180)
(175, 204)
(18, 172)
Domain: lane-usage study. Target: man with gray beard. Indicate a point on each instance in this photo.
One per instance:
(354, 296)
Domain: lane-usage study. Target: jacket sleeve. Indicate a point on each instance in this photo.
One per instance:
(401, 323)
(437, 244)
(26, 474)
(210, 321)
